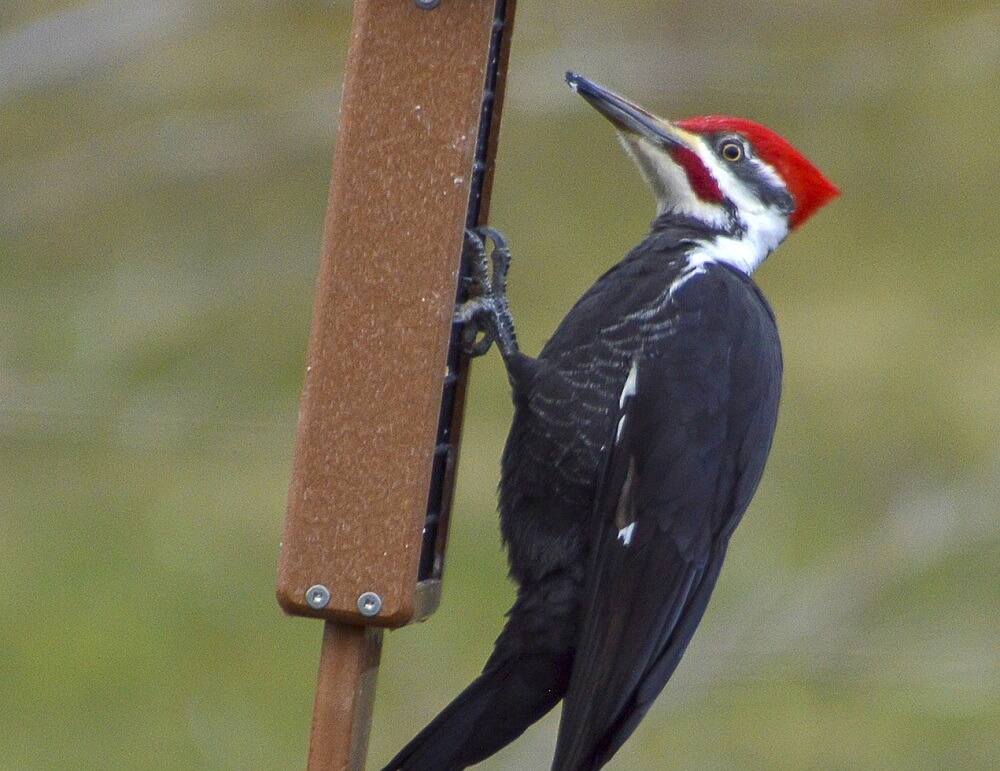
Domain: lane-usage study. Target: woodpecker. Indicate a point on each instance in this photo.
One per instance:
(639, 436)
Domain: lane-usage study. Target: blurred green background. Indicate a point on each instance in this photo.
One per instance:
(164, 174)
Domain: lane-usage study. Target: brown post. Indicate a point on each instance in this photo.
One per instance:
(377, 438)
(345, 692)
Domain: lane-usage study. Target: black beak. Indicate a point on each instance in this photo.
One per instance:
(627, 116)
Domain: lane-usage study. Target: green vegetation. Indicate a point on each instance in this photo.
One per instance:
(164, 176)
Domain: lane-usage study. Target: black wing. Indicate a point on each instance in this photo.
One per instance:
(687, 456)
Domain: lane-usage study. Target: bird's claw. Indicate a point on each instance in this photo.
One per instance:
(485, 314)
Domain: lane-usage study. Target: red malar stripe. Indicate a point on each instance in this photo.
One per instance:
(701, 179)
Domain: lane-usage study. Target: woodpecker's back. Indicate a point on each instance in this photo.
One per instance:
(639, 437)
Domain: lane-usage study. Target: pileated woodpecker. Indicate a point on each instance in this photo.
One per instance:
(639, 436)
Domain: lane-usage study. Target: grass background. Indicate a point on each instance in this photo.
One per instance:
(163, 176)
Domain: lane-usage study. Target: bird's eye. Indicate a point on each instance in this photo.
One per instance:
(732, 151)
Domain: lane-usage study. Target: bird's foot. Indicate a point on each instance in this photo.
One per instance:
(486, 314)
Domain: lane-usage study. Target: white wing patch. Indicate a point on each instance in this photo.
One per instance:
(628, 391)
(693, 268)
(625, 534)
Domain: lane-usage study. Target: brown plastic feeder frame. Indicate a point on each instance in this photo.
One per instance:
(377, 439)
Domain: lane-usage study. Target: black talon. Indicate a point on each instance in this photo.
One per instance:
(479, 276)
(486, 314)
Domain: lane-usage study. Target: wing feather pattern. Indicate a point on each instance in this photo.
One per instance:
(677, 478)
(640, 589)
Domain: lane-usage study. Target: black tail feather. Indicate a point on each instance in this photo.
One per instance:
(493, 711)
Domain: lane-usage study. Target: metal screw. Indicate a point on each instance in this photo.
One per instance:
(426, 5)
(369, 604)
(318, 596)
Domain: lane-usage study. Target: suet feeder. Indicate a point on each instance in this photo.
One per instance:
(378, 433)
